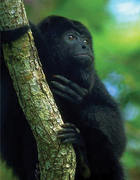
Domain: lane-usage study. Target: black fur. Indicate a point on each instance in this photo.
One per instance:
(93, 121)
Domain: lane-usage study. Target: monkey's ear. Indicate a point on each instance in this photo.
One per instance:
(49, 22)
(43, 25)
(13, 34)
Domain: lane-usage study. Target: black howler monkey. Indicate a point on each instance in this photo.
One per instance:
(93, 122)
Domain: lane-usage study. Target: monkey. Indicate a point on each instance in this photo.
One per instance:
(93, 120)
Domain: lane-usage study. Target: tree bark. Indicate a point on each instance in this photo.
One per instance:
(56, 161)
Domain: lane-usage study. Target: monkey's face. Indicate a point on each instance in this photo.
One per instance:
(77, 48)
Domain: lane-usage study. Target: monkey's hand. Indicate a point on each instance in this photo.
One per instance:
(68, 90)
(70, 134)
(13, 34)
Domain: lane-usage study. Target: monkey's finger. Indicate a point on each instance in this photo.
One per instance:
(75, 141)
(77, 99)
(71, 140)
(71, 84)
(66, 136)
(65, 130)
(68, 125)
(63, 88)
(63, 96)
(66, 90)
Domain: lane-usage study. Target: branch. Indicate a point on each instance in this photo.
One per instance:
(57, 161)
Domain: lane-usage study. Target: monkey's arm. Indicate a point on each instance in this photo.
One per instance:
(13, 34)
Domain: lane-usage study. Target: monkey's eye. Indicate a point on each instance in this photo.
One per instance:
(86, 41)
(71, 37)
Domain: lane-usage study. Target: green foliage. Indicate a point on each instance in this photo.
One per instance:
(6, 173)
(117, 53)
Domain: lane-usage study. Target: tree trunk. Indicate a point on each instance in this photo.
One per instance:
(56, 161)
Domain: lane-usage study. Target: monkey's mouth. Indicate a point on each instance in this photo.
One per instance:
(85, 54)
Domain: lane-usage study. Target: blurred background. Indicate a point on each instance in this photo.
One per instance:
(115, 27)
